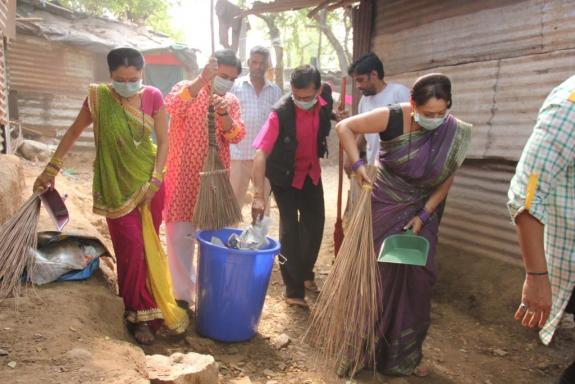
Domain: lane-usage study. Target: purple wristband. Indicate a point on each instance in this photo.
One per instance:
(355, 166)
(423, 216)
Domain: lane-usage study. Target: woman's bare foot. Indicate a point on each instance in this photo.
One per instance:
(422, 370)
(142, 333)
(311, 286)
(295, 301)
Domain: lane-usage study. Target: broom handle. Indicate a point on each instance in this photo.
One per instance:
(341, 108)
(212, 142)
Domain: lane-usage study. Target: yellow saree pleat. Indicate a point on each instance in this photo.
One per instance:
(160, 281)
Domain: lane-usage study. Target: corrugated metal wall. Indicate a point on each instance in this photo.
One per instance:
(476, 220)
(4, 127)
(51, 82)
(503, 60)
(504, 57)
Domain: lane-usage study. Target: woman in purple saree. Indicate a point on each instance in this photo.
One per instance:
(422, 145)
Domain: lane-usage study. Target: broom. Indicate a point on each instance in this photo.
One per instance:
(342, 324)
(217, 206)
(17, 237)
(338, 230)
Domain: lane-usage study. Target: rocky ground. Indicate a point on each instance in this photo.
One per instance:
(73, 332)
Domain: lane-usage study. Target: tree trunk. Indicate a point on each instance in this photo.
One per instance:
(321, 19)
(277, 44)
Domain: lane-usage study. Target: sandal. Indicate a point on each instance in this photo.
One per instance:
(142, 333)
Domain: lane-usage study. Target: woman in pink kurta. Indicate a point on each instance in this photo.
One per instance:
(187, 105)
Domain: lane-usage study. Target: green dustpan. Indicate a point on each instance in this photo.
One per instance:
(405, 248)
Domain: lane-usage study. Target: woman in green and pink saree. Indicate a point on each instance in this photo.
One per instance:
(128, 173)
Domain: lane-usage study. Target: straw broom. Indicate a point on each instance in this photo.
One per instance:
(342, 324)
(217, 206)
(17, 237)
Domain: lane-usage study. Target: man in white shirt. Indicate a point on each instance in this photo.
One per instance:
(257, 97)
(367, 71)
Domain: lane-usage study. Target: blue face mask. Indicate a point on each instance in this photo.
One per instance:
(428, 123)
(305, 105)
(127, 89)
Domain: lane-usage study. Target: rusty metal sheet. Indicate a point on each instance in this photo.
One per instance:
(477, 34)
(476, 219)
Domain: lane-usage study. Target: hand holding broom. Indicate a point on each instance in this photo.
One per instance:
(217, 206)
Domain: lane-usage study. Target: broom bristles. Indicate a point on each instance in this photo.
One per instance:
(216, 206)
(17, 237)
(342, 324)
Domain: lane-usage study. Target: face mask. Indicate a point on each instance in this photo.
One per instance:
(127, 89)
(428, 123)
(305, 105)
(222, 86)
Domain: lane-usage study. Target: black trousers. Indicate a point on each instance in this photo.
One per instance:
(568, 376)
(302, 216)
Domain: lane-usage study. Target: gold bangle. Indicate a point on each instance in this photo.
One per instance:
(50, 171)
(154, 187)
(58, 162)
(158, 175)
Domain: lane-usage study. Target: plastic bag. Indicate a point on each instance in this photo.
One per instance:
(254, 237)
(61, 256)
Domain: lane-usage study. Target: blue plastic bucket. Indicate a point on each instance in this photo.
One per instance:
(232, 286)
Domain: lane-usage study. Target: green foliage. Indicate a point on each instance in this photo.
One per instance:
(300, 36)
(153, 13)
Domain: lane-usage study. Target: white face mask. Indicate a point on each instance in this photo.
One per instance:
(128, 88)
(222, 86)
(428, 123)
(305, 105)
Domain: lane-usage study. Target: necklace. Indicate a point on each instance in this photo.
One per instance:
(138, 141)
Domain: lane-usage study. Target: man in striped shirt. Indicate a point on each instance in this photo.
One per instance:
(257, 96)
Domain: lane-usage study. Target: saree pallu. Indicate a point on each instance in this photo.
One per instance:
(125, 159)
(412, 167)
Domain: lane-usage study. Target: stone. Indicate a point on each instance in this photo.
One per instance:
(179, 368)
(272, 382)
(243, 380)
(268, 373)
(281, 341)
(500, 352)
(3, 352)
(12, 364)
(79, 354)
(11, 186)
(35, 151)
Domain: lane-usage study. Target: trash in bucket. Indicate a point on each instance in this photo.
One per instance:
(232, 286)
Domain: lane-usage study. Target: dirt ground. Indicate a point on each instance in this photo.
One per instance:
(73, 332)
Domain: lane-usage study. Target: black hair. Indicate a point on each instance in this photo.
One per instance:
(125, 56)
(432, 85)
(228, 57)
(259, 50)
(304, 75)
(365, 64)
